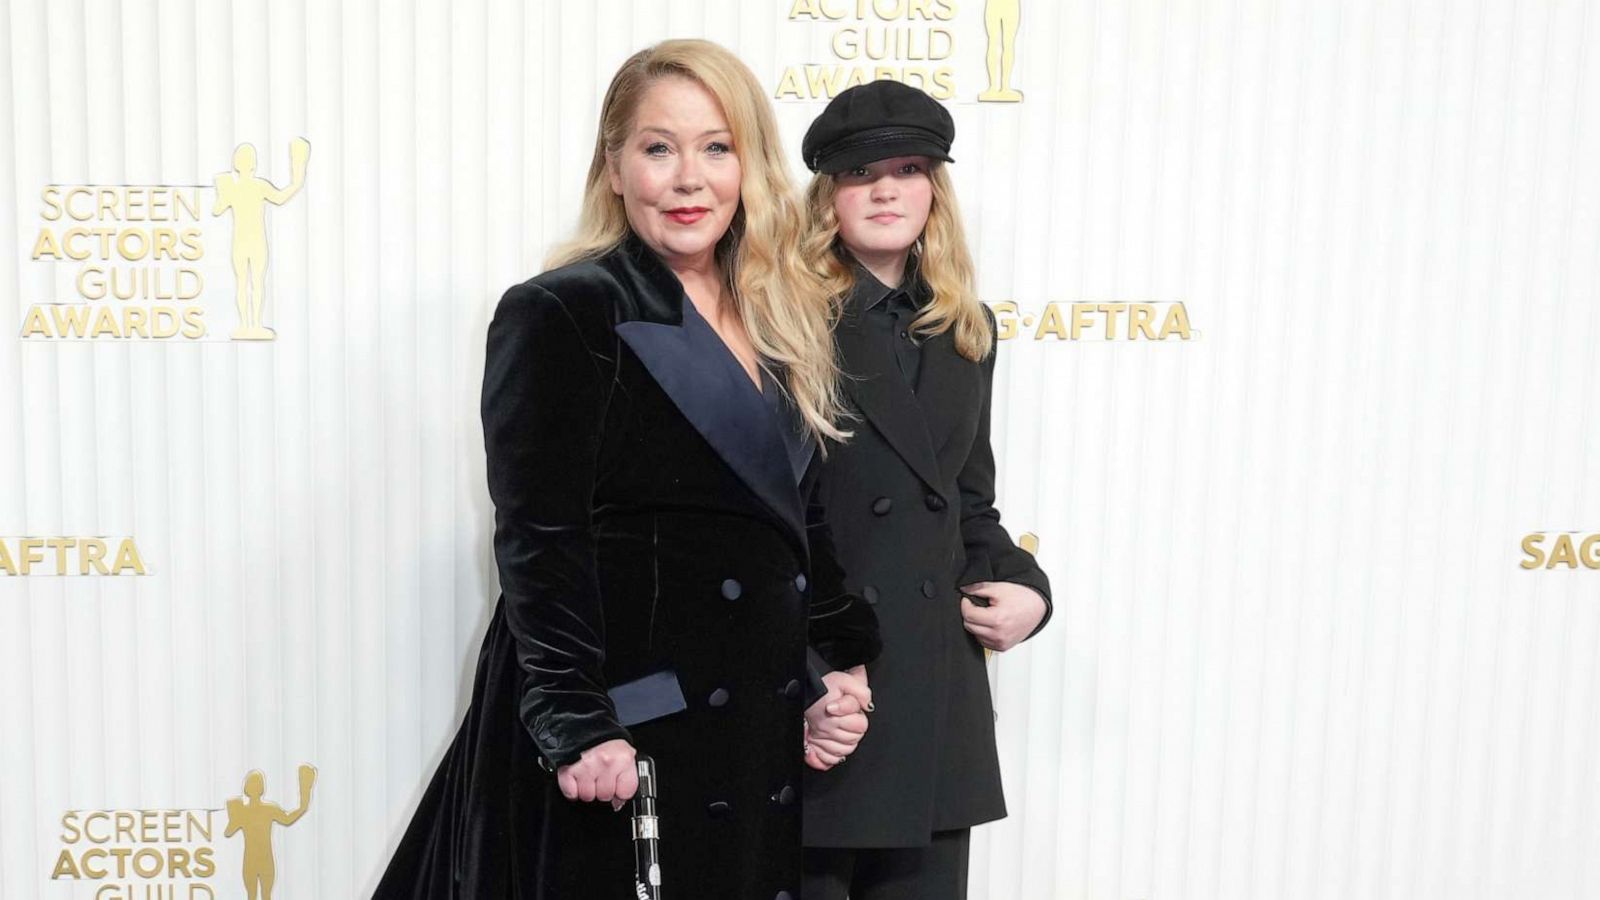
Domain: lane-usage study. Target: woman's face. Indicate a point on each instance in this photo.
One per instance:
(678, 172)
(883, 206)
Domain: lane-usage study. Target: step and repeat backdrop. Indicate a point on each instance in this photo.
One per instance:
(1296, 400)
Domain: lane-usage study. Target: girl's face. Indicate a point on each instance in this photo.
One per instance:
(883, 206)
(678, 172)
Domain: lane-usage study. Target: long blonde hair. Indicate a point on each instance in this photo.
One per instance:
(943, 261)
(786, 312)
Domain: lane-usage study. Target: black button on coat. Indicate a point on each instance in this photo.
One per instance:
(648, 518)
(928, 762)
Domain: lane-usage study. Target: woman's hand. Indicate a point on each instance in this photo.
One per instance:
(1013, 613)
(835, 723)
(605, 772)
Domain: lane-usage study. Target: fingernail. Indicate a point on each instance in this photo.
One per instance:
(616, 805)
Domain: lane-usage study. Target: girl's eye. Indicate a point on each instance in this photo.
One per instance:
(910, 169)
(718, 148)
(658, 148)
(859, 172)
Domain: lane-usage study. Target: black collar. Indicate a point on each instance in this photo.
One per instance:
(868, 291)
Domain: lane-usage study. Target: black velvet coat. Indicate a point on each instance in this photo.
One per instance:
(648, 518)
(910, 504)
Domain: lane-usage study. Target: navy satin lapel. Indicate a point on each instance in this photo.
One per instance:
(887, 401)
(796, 439)
(700, 374)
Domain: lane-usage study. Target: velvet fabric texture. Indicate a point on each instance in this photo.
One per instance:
(910, 503)
(654, 513)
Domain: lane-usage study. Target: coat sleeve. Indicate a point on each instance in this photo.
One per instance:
(543, 403)
(842, 629)
(991, 554)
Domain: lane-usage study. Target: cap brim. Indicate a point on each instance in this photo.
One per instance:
(851, 157)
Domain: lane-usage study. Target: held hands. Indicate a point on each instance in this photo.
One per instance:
(834, 724)
(1013, 613)
(605, 772)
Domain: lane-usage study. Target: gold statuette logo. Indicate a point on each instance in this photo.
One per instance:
(247, 196)
(915, 42)
(1000, 19)
(171, 854)
(253, 817)
(135, 262)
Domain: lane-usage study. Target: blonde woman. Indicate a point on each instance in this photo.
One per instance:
(652, 406)
(910, 502)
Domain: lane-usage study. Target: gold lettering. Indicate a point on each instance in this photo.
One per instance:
(1589, 551)
(1050, 323)
(1112, 310)
(1005, 320)
(134, 198)
(92, 283)
(30, 553)
(91, 552)
(65, 867)
(72, 211)
(1080, 318)
(133, 322)
(1562, 553)
(123, 242)
(105, 321)
(128, 558)
(83, 863)
(1177, 320)
(194, 325)
(69, 243)
(100, 815)
(60, 545)
(195, 826)
(189, 204)
(148, 862)
(124, 823)
(1140, 321)
(1530, 546)
(46, 245)
(193, 244)
(51, 196)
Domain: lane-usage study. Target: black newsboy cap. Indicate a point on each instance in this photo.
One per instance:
(877, 120)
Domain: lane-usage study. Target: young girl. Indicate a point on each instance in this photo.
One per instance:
(910, 501)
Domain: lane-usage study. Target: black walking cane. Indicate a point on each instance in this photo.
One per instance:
(646, 834)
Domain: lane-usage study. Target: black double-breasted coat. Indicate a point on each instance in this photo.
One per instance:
(649, 530)
(909, 500)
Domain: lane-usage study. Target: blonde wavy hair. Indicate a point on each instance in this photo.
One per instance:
(942, 260)
(786, 312)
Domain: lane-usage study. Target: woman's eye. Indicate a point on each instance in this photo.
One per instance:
(859, 172)
(718, 148)
(659, 148)
(910, 169)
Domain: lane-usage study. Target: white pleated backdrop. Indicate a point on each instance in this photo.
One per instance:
(1293, 654)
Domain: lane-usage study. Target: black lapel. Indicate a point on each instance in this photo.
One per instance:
(710, 388)
(948, 388)
(884, 397)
